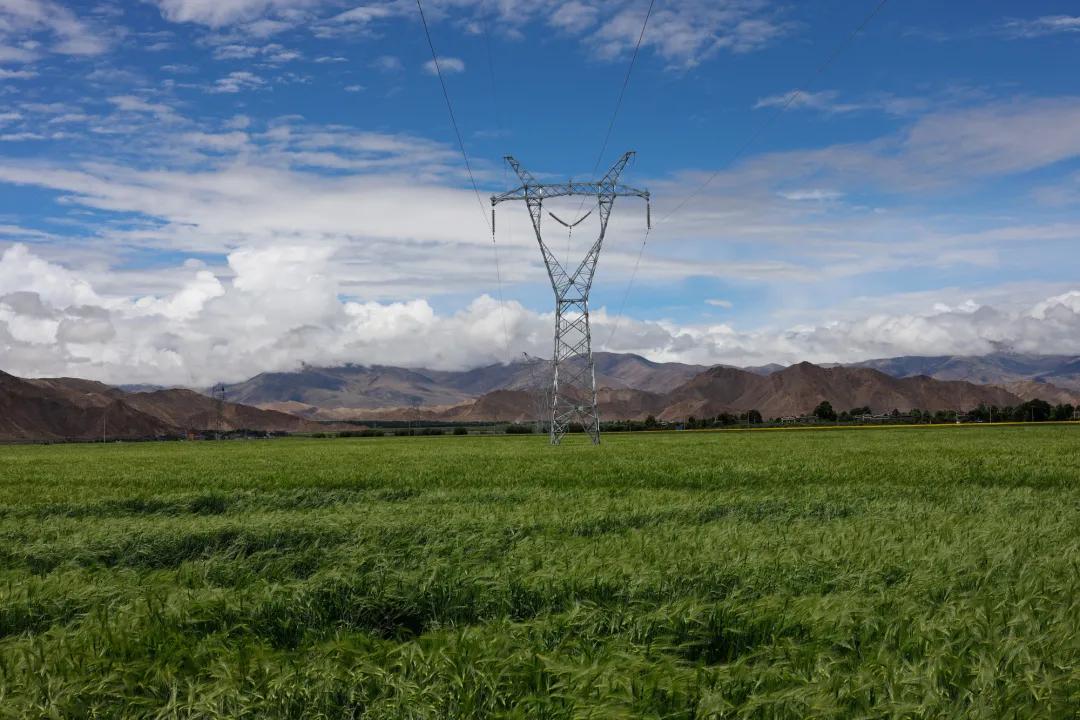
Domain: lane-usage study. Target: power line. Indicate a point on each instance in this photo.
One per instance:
(622, 92)
(491, 67)
(499, 123)
(502, 300)
(468, 165)
(618, 105)
(450, 110)
(629, 286)
(618, 101)
(795, 95)
(611, 127)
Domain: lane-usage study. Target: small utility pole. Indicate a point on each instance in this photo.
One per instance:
(415, 416)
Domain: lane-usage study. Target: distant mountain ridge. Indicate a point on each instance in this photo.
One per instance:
(993, 369)
(794, 390)
(629, 387)
(798, 389)
(32, 410)
(56, 409)
(380, 386)
(666, 389)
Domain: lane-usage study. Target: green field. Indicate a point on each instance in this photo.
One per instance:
(917, 573)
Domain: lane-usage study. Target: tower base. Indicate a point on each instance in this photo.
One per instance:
(573, 373)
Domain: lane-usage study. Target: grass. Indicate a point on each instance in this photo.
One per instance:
(923, 573)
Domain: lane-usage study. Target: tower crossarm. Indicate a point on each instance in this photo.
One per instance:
(545, 191)
(607, 186)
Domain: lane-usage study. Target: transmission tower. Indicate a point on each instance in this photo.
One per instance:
(219, 402)
(574, 390)
(538, 385)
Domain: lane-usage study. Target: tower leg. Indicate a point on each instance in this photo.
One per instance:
(574, 377)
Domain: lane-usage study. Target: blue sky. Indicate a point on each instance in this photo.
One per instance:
(195, 190)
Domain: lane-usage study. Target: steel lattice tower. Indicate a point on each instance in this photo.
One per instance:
(573, 377)
(538, 385)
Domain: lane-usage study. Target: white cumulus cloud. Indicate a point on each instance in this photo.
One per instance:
(30, 28)
(275, 308)
(448, 65)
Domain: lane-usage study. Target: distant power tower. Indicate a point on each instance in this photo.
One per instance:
(574, 391)
(538, 385)
(219, 402)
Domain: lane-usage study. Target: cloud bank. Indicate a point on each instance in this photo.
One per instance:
(281, 308)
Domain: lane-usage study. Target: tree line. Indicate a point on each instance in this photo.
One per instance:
(1030, 411)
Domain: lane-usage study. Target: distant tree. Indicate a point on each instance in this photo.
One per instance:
(824, 411)
(754, 417)
(691, 423)
(1033, 411)
(461, 431)
(650, 423)
(1064, 412)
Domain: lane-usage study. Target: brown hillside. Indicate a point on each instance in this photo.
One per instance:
(334, 391)
(82, 392)
(1037, 390)
(52, 411)
(190, 410)
(519, 406)
(628, 403)
(618, 371)
(714, 391)
(497, 406)
(798, 389)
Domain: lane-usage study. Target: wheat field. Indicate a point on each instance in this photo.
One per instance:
(885, 573)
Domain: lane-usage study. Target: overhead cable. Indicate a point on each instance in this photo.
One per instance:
(468, 165)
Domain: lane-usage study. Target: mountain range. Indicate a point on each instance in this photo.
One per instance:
(56, 409)
(631, 386)
(798, 389)
(373, 387)
(993, 369)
